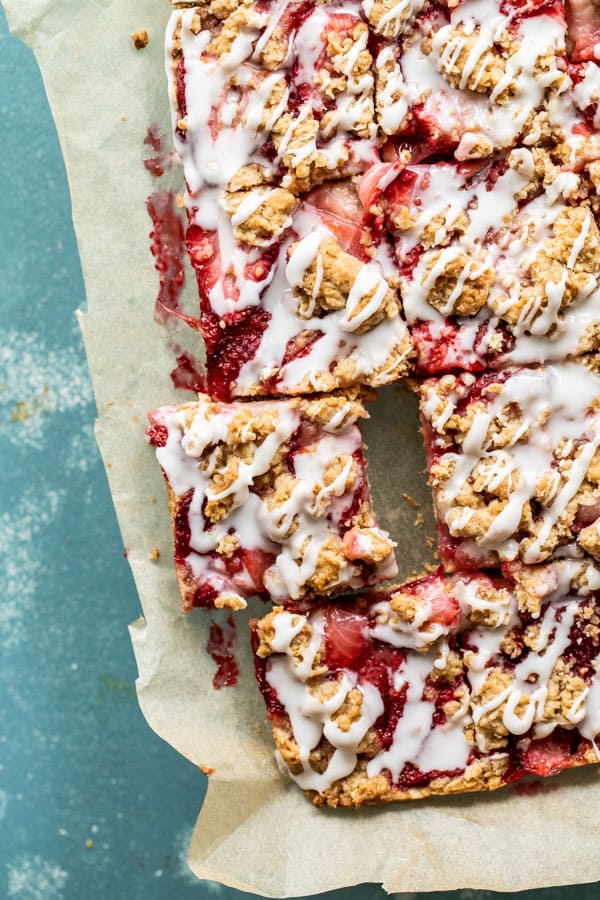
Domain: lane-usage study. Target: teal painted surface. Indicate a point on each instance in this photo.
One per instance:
(78, 762)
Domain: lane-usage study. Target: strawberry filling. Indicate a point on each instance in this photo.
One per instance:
(221, 646)
(247, 566)
(583, 21)
(168, 250)
(156, 434)
(188, 374)
(548, 756)
(441, 349)
(523, 9)
(231, 348)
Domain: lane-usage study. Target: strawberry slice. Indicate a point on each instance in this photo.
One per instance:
(444, 609)
(583, 21)
(339, 208)
(426, 134)
(300, 345)
(256, 562)
(402, 189)
(345, 641)
(339, 199)
(342, 23)
(375, 181)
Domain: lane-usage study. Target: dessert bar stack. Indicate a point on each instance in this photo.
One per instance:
(383, 191)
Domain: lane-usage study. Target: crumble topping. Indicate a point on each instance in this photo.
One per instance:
(326, 278)
(260, 216)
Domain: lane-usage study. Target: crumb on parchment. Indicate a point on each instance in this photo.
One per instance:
(139, 39)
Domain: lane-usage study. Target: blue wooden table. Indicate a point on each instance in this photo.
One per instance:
(93, 805)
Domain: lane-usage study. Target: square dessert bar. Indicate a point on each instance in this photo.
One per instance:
(499, 261)
(514, 463)
(468, 78)
(297, 295)
(282, 90)
(438, 686)
(269, 498)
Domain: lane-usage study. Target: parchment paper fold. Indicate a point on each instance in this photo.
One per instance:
(255, 832)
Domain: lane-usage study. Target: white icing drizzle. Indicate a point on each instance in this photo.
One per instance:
(546, 329)
(239, 90)
(529, 686)
(393, 103)
(296, 530)
(416, 740)
(470, 596)
(587, 92)
(391, 22)
(565, 394)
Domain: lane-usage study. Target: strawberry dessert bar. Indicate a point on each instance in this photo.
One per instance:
(438, 686)
(499, 261)
(273, 108)
(467, 78)
(514, 463)
(489, 179)
(269, 498)
(307, 303)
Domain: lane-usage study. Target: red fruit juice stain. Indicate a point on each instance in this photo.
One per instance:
(528, 788)
(188, 374)
(533, 788)
(161, 158)
(222, 644)
(168, 250)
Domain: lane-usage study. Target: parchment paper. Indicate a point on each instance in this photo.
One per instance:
(255, 831)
